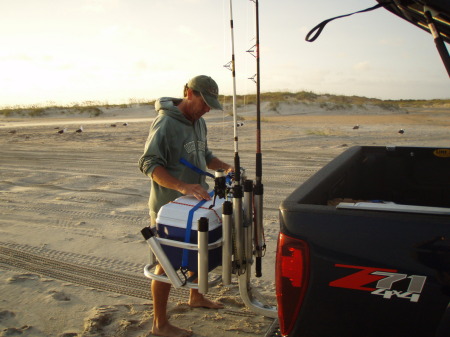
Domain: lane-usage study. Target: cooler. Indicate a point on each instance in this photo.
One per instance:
(171, 223)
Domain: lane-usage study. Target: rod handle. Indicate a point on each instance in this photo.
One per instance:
(258, 272)
(203, 259)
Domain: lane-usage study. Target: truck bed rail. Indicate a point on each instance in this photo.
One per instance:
(392, 207)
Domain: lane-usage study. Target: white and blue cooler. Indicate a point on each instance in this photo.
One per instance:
(178, 221)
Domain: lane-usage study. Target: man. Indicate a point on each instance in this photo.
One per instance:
(179, 131)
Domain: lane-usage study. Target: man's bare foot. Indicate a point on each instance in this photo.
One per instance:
(199, 301)
(168, 330)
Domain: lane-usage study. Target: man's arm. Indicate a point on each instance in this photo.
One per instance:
(165, 179)
(216, 164)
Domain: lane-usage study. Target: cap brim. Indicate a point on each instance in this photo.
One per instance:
(212, 102)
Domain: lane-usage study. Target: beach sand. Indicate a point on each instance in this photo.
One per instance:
(72, 206)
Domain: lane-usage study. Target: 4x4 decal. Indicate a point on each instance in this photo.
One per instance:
(385, 279)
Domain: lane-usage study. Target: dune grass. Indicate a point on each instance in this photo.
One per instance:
(90, 108)
(335, 102)
(325, 101)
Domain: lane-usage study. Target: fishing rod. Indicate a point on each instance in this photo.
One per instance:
(259, 188)
(239, 258)
(253, 219)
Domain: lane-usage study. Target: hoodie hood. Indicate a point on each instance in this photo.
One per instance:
(168, 106)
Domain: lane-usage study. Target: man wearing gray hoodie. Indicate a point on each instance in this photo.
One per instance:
(179, 132)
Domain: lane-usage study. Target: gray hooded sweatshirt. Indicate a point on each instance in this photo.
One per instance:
(171, 138)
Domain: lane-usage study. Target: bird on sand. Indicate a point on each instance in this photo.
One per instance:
(62, 131)
(401, 131)
(80, 129)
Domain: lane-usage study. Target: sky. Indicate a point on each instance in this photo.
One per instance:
(119, 51)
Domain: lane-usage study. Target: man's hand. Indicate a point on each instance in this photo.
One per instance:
(163, 178)
(195, 190)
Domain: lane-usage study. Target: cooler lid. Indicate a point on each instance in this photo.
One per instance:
(176, 213)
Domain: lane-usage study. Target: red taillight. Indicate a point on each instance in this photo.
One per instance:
(291, 275)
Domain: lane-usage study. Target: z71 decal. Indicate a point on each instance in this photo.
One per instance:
(385, 279)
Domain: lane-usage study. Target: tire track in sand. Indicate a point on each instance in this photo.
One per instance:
(120, 277)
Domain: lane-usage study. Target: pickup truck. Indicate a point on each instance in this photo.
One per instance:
(364, 246)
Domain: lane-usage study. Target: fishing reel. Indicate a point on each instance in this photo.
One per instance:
(223, 183)
(220, 184)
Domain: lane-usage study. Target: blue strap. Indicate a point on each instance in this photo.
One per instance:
(195, 168)
(187, 234)
(229, 178)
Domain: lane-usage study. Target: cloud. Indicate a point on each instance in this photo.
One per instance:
(110, 32)
(30, 59)
(93, 6)
(362, 66)
(141, 65)
(188, 31)
(392, 42)
(98, 6)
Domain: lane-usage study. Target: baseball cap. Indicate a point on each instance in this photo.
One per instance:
(208, 88)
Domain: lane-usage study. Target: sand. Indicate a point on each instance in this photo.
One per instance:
(72, 206)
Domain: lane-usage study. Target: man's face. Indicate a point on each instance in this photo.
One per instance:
(198, 107)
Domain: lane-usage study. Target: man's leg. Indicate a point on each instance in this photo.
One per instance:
(161, 325)
(197, 300)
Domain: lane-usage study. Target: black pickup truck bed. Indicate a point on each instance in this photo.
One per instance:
(364, 247)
